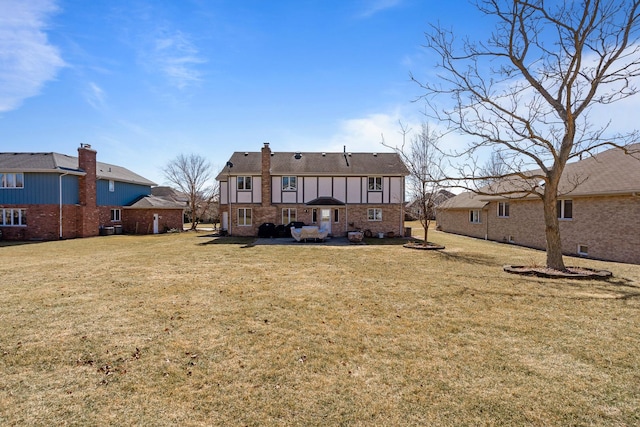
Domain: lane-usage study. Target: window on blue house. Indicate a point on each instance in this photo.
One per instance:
(13, 217)
(11, 180)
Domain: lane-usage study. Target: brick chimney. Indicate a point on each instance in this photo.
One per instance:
(88, 218)
(266, 175)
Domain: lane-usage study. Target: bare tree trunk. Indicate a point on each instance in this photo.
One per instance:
(552, 230)
(426, 232)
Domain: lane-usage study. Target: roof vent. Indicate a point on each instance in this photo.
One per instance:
(272, 153)
(324, 154)
(349, 154)
(246, 153)
(298, 155)
(375, 154)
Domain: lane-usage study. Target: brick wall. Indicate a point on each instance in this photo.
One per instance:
(457, 221)
(140, 221)
(43, 223)
(609, 227)
(351, 217)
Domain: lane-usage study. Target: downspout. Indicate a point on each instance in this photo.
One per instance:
(346, 218)
(486, 233)
(60, 199)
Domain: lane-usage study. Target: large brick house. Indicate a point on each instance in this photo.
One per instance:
(46, 196)
(339, 192)
(599, 211)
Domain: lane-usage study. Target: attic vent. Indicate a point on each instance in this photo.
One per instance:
(349, 154)
(246, 154)
(298, 156)
(375, 154)
(272, 153)
(324, 154)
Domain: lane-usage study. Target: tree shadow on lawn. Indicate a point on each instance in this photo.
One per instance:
(468, 258)
(247, 242)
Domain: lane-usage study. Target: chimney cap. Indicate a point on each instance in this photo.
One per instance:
(266, 145)
(83, 145)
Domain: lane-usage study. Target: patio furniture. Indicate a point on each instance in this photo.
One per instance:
(309, 232)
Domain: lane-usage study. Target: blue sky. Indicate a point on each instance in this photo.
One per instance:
(145, 80)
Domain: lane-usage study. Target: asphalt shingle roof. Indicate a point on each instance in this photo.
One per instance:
(328, 164)
(608, 173)
(55, 162)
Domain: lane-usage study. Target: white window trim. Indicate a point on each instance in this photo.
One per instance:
(118, 213)
(244, 183)
(112, 186)
(478, 214)
(374, 217)
(288, 214)
(6, 217)
(3, 180)
(505, 208)
(374, 187)
(244, 217)
(561, 212)
(583, 252)
(290, 187)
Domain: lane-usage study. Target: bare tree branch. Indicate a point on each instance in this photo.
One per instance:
(192, 175)
(527, 91)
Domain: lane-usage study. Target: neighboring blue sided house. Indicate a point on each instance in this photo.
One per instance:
(45, 196)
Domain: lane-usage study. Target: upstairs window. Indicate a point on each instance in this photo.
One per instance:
(112, 186)
(289, 183)
(244, 183)
(565, 209)
(503, 209)
(11, 180)
(375, 183)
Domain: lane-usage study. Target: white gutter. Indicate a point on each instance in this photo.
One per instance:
(60, 199)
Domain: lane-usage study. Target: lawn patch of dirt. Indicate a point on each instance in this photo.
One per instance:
(569, 273)
(422, 246)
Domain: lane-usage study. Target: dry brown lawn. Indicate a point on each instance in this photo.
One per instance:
(181, 329)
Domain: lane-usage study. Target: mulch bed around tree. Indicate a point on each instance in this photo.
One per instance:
(569, 273)
(420, 245)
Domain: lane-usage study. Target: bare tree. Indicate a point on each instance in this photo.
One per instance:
(192, 174)
(527, 91)
(424, 161)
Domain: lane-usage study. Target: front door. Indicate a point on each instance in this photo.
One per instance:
(325, 220)
(156, 219)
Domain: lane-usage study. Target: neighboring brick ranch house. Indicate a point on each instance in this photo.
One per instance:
(47, 196)
(600, 218)
(339, 192)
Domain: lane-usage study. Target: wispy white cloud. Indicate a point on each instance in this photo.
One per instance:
(177, 57)
(374, 6)
(365, 134)
(95, 96)
(27, 59)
